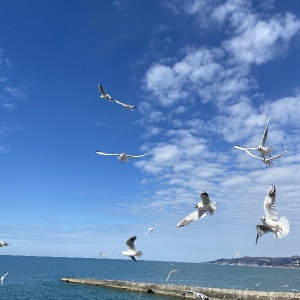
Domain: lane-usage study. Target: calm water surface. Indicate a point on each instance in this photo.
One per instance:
(39, 277)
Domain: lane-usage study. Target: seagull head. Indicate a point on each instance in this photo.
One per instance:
(196, 205)
(263, 219)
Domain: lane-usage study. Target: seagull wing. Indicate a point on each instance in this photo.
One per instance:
(261, 229)
(103, 153)
(275, 157)
(119, 102)
(130, 243)
(101, 89)
(265, 135)
(244, 148)
(270, 202)
(194, 216)
(136, 156)
(251, 154)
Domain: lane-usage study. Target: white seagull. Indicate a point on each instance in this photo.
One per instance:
(280, 227)
(123, 157)
(2, 278)
(3, 244)
(151, 228)
(199, 295)
(131, 252)
(104, 94)
(267, 161)
(104, 254)
(262, 149)
(203, 207)
(130, 107)
(237, 253)
(171, 273)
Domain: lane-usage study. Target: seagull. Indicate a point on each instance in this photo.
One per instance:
(264, 151)
(257, 284)
(151, 228)
(123, 157)
(104, 94)
(237, 253)
(103, 254)
(267, 161)
(280, 227)
(199, 295)
(131, 252)
(204, 206)
(2, 278)
(130, 107)
(3, 244)
(171, 273)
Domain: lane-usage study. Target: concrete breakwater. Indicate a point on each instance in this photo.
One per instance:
(182, 290)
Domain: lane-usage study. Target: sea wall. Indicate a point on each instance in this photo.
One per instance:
(182, 290)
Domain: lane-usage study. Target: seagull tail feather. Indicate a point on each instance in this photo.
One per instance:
(139, 253)
(285, 227)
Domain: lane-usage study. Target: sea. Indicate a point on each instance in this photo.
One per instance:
(39, 278)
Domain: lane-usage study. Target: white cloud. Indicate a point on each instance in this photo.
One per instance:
(261, 41)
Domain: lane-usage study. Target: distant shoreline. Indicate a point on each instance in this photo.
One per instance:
(292, 262)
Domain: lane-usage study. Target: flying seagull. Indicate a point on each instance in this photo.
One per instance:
(262, 149)
(103, 254)
(280, 227)
(203, 207)
(130, 107)
(150, 228)
(131, 252)
(171, 273)
(237, 253)
(2, 278)
(267, 161)
(257, 284)
(123, 157)
(104, 94)
(199, 295)
(3, 244)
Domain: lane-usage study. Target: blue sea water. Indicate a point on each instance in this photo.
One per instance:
(40, 277)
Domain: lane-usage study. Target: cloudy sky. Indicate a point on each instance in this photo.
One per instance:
(205, 76)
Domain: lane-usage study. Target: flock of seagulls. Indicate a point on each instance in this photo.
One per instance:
(270, 222)
(123, 157)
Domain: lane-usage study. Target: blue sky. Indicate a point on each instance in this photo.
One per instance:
(204, 74)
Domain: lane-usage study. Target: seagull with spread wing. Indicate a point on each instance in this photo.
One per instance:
(123, 157)
(262, 149)
(130, 107)
(203, 207)
(104, 94)
(280, 227)
(2, 278)
(104, 254)
(3, 244)
(131, 252)
(267, 161)
(150, 228)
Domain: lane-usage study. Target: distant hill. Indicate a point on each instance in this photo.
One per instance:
(286, 262)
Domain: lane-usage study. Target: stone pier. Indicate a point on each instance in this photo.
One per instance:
(182, 290)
